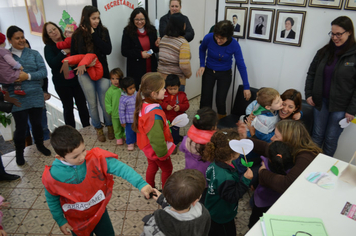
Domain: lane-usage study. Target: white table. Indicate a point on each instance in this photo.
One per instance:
(306, 199)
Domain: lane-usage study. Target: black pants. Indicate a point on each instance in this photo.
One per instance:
(21, 117)
(104, 227)
(257, 212)
(175, 134)
(66, 94)
(223, 79)
(227, 229)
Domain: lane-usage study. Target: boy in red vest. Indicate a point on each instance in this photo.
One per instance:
(78, 185)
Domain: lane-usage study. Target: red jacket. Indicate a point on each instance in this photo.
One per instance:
(179, 99)
(65, 44)
(95, 72)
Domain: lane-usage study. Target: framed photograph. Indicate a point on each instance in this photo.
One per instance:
(297, 3)
(236, 1)
(263, 2)
(260, 24)
(238, 17)
(333, 4)
(350, 5)
(36, 16)
(289, 27)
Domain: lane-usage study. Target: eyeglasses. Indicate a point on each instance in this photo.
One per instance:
(338, 35)
(137, 20)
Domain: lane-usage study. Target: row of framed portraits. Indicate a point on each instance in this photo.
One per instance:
(334, 4)
(288, 28)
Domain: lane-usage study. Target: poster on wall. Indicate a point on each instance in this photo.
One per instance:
(333, 4)
(36, 16)
(296, 3)
(263, 2)
(260, 24)
(350, 5)
(289, 27)
(238, 17)
(236, 1)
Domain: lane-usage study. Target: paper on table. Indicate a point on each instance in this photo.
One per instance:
(278, 225)
(349, 173)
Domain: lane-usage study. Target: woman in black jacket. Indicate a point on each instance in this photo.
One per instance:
(331, 84)
(138, 38)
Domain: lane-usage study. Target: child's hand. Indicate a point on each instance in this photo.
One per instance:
(297, 116)
(2, 233)
(123, 125)
(176, 108)
(156, 194)
(169, 107)
(146, 191)
(248, 174)
(64, 228)
(262, 167)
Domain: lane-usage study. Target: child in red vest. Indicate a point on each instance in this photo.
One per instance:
(79, 184)
(150, 123)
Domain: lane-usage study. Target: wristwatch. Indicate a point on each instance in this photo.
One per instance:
(64, 53)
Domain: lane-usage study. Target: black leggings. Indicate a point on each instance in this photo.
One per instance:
(104, 227)
(226, 229)
(257, 212)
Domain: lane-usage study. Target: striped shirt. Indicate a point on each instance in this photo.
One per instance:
(127, 108)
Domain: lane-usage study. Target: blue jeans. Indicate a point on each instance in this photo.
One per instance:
(130, 134)
(92, 91)
(326, 129)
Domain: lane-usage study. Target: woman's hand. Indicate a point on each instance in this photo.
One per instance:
(46, 96)
(263, 167)
(310, 101)
(248, 174)
(145, 55)
(157, 41)
(200, 71)
(92, 63)
(92, 30)
(22, 77)
(64, 228)
(241, 129)
(349, 117)
(247, 94)
(80, 70)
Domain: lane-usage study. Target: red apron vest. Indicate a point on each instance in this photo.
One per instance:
(84, 204)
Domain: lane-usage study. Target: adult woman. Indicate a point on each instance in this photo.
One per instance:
(174, 51)
(331, 86)
(174, 7)
(288, 32)
(66, 89)
(32, 102)
(138, 38)
(259, 29)
(92, 37)
(221, 47)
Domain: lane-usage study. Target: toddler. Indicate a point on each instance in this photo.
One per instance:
(112, 99)
(225, 186)
(66, 43)
(79, 184)
(181, 213)
(11, 70)
(175, 103)
(150, 123)
(127, 110)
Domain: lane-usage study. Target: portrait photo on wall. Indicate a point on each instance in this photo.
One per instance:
(350, 5)
(236, 1)
(260, 24)
(238, 17)
(289, 27)
(296, 3)
(263, 2)
(333, 4)
(36, 16)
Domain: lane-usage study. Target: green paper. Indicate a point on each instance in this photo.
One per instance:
(249, 164)
(335, 170)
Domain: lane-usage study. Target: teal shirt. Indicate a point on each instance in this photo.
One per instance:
(76, 175)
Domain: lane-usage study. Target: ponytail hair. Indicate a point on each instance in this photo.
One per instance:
(205, 119)
(280, 155)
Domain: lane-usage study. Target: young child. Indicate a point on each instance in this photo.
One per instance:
(150, 123)
(11, 70)
(279, 161)
(199, 134)
(112, 99)
(225, 186)
(79, 184)
(174, 103)
(66, 43)
(127, 110)
(181, 213)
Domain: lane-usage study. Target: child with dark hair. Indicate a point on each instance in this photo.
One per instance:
(279, 161)
(79, 184)
(112, 98)
(225, 185)
(127, 110)
(175, 103)
(181, 212)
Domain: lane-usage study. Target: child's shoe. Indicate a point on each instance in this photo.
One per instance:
(131, 147)
(100, 134)
(119, 141)
(19, 92)
(111, 134)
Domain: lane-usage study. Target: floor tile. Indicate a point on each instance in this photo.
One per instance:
(23, 197)
(37, 222)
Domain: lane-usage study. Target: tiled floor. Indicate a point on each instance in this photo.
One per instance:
(29, 213)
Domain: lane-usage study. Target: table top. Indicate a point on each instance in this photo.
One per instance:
(306, 199)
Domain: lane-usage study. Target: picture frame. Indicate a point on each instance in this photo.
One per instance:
(236, 1)
(296, 3)
(36, 16)
(238, 16)
(261, 24)
(263, 2)
(332, 4)
(350, 5)
(289, 27)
